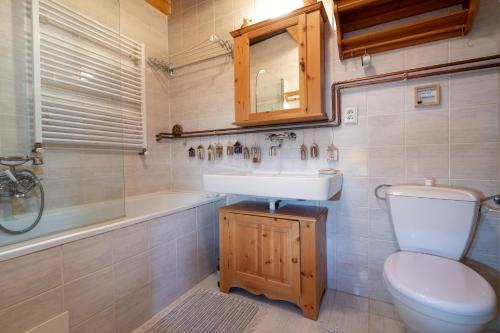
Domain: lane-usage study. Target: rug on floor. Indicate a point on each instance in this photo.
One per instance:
(208, 312)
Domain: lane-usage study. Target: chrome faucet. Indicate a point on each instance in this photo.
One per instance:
(17, 183)
(20, 183)
(273, 149)
(279, 138)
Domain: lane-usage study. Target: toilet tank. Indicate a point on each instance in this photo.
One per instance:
(433, 219)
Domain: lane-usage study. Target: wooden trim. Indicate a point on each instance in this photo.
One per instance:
(436, 86)
(338, 24)
(315, 71)
(313, 272)
(266, 114)
(162, 5)
(253, 239)
(257, 280)
(472, 7)
(293, 31)
(290, 119)
(308, 23)
(304, 58)
(426, 37)
(392, 11)
(293, 212)
(405, 30)
(422, 31)
(242, 78)
(292, 96)
(353, 5)
(269, 31)
(304, 10)
(355, 15)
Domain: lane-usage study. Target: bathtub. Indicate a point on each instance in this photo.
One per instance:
(72, 223)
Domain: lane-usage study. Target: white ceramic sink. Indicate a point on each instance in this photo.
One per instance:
(284, 185)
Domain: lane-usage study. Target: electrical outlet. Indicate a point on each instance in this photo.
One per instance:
(351, 115)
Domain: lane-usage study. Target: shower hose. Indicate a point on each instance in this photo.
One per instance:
(28, 181)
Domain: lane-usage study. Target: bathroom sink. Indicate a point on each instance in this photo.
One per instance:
(279, 185)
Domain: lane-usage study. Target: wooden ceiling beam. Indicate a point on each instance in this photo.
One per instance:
(162, 5)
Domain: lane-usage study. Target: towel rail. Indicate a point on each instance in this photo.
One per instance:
(66, 20)
(70, 123)
(105, 60)
(87, 77)
(97, 143)
(92, 114)
(208, 49)
(82, 117)
(76, 63)
(103, 91)
(89, 81)
(90, 107)
(96, 24)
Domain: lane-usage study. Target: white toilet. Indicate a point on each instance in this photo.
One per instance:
(433, 292)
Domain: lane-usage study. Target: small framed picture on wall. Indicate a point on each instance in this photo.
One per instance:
(428, 95)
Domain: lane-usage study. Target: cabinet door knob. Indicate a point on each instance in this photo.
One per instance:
(295, 260)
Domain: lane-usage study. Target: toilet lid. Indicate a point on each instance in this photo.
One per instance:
(441, 283)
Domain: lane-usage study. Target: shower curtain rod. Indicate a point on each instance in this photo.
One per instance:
(335, 121)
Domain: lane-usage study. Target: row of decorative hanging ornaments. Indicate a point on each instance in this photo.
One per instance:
(216, 151)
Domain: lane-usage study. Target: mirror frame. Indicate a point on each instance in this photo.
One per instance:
(310, 21)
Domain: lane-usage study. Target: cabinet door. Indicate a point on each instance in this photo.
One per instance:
(264, 255)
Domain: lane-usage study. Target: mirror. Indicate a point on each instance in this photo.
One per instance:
(279, 69)
(275, 72)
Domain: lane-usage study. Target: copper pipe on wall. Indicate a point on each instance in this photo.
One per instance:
(335, 121)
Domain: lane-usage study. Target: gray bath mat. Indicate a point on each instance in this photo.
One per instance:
(208, 312)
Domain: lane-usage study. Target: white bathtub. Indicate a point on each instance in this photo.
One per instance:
(72, 223)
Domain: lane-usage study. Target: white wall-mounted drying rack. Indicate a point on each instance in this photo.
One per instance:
(89, 81)
(211, 48)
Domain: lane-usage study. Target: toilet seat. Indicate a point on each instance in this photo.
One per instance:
(440, 288)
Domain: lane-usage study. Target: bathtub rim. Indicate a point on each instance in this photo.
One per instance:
(23, 248)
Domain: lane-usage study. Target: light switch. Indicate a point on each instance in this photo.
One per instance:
(351, 115)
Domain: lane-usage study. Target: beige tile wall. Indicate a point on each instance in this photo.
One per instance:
(79, 176)
(150, 173)
(456, 142)
(113, 282)
(67, 173)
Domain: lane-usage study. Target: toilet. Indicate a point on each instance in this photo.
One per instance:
(432, 291)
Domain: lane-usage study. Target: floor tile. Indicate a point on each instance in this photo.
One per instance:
(379, 324)
(382, 309)
(340, 313)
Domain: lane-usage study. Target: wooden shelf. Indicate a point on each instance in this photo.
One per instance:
(354, 15)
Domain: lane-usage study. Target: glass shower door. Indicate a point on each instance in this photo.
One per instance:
(82, 184)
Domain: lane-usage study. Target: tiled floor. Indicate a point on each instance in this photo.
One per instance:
(340, 313)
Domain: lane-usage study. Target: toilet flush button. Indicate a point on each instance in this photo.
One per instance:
(429, 182)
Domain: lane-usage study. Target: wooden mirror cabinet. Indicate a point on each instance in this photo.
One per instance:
(279, 69)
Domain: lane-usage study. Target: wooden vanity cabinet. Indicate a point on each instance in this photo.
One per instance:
(280, 254)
